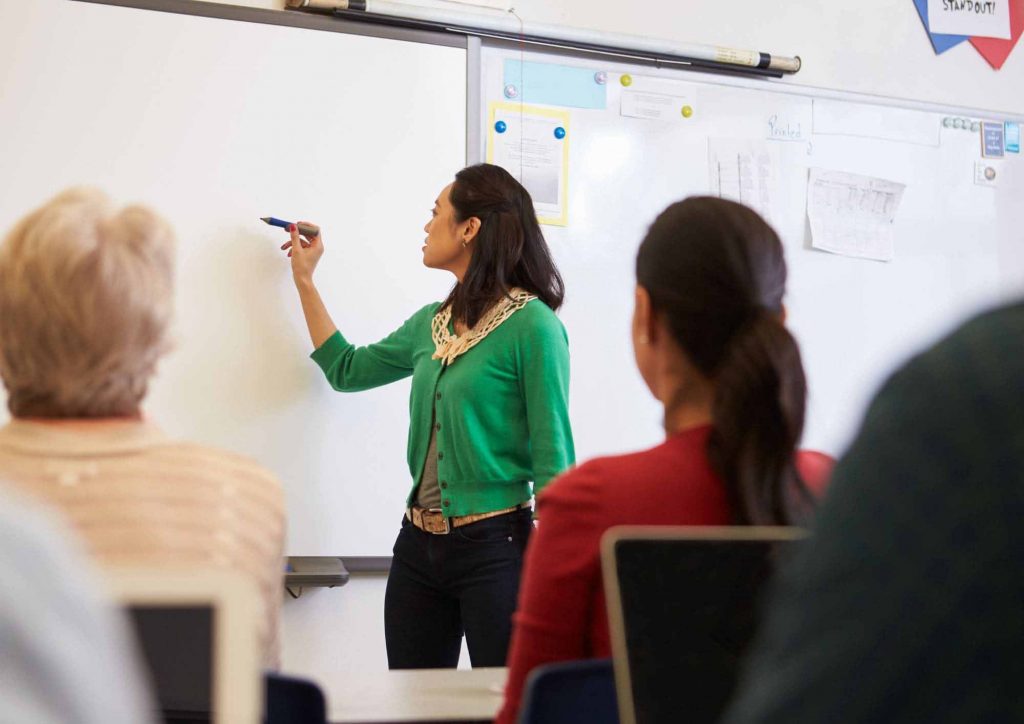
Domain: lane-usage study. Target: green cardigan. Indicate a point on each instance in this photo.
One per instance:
(502, 416)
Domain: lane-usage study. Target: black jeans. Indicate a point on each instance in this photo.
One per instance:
(443, 585)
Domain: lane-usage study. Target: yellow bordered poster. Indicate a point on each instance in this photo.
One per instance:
(532, 144)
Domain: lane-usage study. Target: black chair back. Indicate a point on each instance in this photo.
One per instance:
(293, 701)
(683, 605)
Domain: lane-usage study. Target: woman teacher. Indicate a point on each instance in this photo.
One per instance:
(489, 414)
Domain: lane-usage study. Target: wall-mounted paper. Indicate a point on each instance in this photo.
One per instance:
(940, 42)
(533, 146)
(745, 171)
(655, 106)
(843, 118)
(976, 18)
(992, 139)
(851, 214)
(1012, 137)
(554, 85)
(995, 51)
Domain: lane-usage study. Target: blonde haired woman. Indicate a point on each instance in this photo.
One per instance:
(85, 304)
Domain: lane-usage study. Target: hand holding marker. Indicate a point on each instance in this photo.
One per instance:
(307, 230)
(309, 244)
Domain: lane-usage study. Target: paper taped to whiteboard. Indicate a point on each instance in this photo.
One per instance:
(745, 171)
(842, 118)
(655, 106)
(533, 145)
(852, 214)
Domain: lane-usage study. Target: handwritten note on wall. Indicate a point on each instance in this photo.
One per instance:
(976, 18)
(781, 127)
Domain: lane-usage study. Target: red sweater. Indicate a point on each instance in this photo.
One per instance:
(561, 614)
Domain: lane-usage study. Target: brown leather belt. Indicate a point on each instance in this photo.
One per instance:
(433, 520)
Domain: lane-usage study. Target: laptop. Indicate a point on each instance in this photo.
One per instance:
(683, 605)
(197, 635)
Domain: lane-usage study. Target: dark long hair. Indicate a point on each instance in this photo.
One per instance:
(510, 250)
(716, 271)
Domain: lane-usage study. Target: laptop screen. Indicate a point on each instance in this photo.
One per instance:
(177, 647)
(197, 633)
(689, 609)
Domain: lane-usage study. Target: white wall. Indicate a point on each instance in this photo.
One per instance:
(874, 46)
(328, 632)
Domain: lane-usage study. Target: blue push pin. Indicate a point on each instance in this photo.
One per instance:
(500, 127)
(559, 133)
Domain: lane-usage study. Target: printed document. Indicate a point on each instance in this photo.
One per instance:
(851, 214)
(745, 171)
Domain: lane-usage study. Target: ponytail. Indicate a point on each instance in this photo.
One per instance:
(717, 274)
(757, 421)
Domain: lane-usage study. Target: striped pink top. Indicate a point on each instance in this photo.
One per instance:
(137, 497)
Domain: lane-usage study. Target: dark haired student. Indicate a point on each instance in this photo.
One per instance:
(489, 414)
(710, 343)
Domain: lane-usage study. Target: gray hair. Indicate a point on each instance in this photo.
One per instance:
(86, 298)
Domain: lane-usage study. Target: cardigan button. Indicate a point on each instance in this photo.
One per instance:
(444, 485)
(438, 427)
(447, 503)
(440, 456)
(439, 395)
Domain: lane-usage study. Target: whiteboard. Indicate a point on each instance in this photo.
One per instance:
(958, 245)
(215, 123)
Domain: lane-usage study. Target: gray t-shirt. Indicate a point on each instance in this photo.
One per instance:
(428, 494)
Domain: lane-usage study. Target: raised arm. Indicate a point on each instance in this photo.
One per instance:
(348, 368)
(305, 254)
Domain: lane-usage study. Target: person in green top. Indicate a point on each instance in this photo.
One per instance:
(489, 415)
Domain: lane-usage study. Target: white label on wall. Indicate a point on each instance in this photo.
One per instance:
(977, 18)
(656, 106)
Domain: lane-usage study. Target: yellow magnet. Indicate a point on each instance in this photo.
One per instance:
(626, 79)
(687, 111)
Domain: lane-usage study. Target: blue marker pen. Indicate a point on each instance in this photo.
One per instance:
(307, 230)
